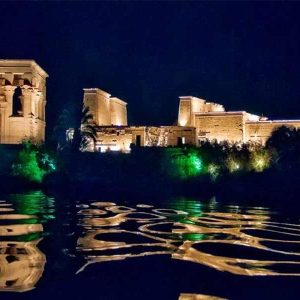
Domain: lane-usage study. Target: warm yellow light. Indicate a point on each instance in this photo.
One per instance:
(118, 122)
(213, 170)
(182, 121)
(260, 160)
(103, 149)
(233, 164)
(115, 148)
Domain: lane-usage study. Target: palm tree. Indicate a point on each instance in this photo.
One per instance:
(87, 129)
(86, 133)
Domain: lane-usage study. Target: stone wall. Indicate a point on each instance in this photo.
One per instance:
(103, 108)
(90, 102)
(189, 106)
(113, 139)
(106, 110)
(260, 131)
(99, 106)
(185, 112)
(138, 131)
(118, 112)
(164, 136)
(180, 135)
(119, 138)
(220, 126)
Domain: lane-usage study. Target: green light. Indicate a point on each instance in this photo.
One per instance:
(194, 236)
(189, 205)
(47, 162)
(187, 165)
(196, 162)
(34, 203)
(32, 163)
(27, 165)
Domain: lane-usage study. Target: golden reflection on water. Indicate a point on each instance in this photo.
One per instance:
(198, 297)
(21, 261)
(247, 242)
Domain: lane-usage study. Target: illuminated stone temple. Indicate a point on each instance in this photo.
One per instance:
(22, 101)
(212, 122)
(114, 134)
(198, 120)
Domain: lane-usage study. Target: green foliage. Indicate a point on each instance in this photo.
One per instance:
(284, 144)
(32, 163)
(217, 159)
(183, 163)
(46, 162)
(213, 152)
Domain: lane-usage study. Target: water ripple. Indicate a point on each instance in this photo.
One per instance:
(244, 243)
(21, 262)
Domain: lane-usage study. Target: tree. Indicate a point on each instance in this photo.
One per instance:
(86, 133)
(285, 144)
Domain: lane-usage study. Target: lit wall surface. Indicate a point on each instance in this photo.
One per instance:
(212, 122)
(198, 120)
(106, 110)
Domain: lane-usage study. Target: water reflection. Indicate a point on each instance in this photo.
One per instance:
(198, 297)
(242, 241)
(21, 261)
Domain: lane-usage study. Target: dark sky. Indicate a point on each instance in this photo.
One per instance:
(243, 55)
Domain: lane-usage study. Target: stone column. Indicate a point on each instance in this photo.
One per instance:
(27, 100)
(38, 99)
(43, 111)
(9, 91)
(41, 106)
(35, 102)
(6, 111)
(3, 108)
(33, 105)
(27, 96)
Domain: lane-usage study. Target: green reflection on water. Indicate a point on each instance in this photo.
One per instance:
(188, 205)
(21, 261)
(29, 237)
(34, 203)
(194, 236)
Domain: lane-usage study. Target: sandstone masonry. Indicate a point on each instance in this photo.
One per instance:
(22, 101)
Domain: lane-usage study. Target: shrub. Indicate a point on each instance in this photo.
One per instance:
(32, 163)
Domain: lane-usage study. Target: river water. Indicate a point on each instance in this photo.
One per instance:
(65, 248)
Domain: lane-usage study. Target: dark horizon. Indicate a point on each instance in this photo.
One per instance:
(241, 55)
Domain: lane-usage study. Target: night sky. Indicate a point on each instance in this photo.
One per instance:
(242, 55)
